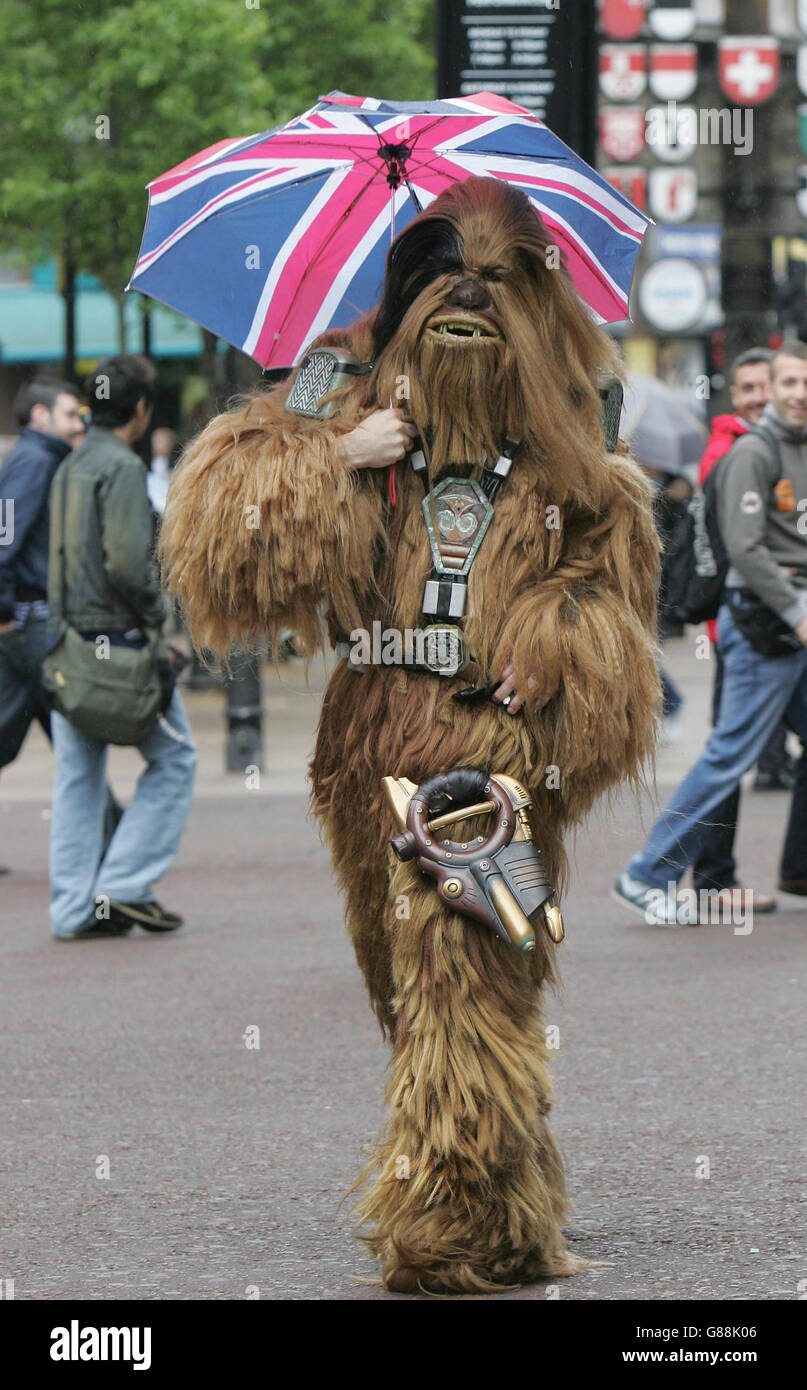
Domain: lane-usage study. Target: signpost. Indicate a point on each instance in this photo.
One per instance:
(539, 55)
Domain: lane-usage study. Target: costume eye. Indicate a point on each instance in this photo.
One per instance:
(492, 275)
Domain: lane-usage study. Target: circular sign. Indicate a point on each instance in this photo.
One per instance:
(673, 295)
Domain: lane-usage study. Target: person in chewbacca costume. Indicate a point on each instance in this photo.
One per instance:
(560, 611)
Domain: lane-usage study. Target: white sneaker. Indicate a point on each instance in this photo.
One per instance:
(657, 907)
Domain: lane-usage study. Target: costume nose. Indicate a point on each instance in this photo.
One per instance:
(470, 294)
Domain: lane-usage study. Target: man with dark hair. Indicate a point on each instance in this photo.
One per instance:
(101, 562)
(762, 638)
(47, 411)
(116, 387)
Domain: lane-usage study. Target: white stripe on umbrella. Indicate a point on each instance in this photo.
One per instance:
(481, 132)
(278, 264)
(354, 263)
(219, 152)
(343, 122)
(554, 218)
(299, 166)
(235, 194)
(568, 179)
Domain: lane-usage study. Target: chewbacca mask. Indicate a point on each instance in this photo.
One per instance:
(481, 337)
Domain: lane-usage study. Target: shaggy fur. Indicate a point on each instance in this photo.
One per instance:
(263, 524)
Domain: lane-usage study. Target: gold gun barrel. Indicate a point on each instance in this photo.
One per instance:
(517, 923)
(452, 817)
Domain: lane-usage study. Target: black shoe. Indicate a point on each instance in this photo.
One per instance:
(4, 870)
(797, 886)
(783, 780)
(148, 915)
(94, 929)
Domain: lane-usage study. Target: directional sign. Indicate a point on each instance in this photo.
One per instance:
(539, 56)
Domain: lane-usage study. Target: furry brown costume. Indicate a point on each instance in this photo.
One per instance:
(574, 602)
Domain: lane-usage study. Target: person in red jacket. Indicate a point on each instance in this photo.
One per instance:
(750, 387)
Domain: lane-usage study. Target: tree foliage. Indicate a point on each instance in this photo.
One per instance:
(99, 98)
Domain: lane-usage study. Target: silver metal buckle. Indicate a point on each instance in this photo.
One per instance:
(445, 649)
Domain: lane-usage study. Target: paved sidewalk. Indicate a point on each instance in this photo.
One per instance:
(681, 1052)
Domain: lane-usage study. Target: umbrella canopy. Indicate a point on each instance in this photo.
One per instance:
(270, 240)
(661, 432)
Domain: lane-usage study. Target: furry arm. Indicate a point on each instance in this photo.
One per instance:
(590, 627)
(263, 521)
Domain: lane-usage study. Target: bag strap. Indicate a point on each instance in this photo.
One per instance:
(762, 432)
(62, 554)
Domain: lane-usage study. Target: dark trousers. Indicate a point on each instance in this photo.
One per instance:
(714, 865)
(794, 854)
(22, 695)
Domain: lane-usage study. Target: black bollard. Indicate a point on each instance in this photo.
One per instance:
(244, 713)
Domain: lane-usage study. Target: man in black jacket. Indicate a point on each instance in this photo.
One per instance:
(47, 411)
(103, 581)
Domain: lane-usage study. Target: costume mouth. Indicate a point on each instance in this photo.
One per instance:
(462, 328)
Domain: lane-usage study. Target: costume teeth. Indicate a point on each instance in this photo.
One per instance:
(461, 330)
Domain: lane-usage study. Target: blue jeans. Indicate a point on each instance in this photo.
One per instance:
(757, 692)
(147, 837)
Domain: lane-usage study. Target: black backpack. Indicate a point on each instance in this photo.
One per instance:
(699, 563)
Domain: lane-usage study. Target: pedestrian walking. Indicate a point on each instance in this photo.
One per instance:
(103, 582)
(163, 444)
(47, 412)
(714, 865)
(762, 639)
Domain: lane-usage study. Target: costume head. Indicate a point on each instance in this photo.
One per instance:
(482, 321)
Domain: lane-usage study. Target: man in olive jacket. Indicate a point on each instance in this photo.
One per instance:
(103, 580)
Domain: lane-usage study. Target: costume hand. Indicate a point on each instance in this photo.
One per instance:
(380, 440)
(801, 631)
(508, 688)
(7, 627)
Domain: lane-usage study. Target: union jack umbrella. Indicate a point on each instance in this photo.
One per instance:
(270, 240)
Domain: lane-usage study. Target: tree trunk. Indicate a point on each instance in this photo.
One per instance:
(145, 309)
(209, 341)
(121, 303)
(69, 295)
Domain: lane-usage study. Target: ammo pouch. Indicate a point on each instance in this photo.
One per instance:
(767, 633)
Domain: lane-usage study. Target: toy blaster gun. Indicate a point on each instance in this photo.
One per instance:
(499, 880)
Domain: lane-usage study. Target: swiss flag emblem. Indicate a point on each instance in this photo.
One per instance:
(631, 181)
(673, 70)
(622, 19)
(622, 70)
(622, 132)
(748, 69)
